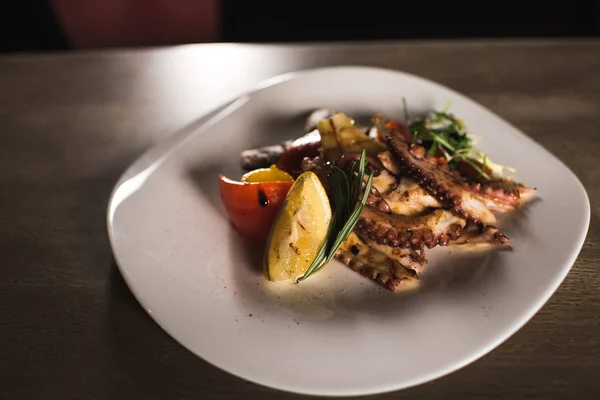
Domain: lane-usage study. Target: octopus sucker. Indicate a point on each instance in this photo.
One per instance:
(384, 182)
(376, 200)
(479, 236)
(409, 258)
(501, 195)
(443, 186)
(373, 264)
(395, 230)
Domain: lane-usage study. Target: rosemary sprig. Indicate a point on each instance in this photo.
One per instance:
(346, 186)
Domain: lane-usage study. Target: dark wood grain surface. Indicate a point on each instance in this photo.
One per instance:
(70, 124)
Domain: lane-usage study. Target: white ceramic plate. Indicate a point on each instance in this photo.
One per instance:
(336, 333)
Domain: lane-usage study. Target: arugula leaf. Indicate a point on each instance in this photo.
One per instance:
(441, 131)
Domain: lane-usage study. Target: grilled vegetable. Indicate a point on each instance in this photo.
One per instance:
(340, 135)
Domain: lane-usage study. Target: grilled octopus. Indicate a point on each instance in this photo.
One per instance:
(473, 200)
(379, 267)
(396, 230)
(415, 204)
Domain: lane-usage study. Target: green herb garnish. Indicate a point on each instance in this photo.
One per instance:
(346, 187)
(442, 132)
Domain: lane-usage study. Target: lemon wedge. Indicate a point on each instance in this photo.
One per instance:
(299, 230)
(271, 174)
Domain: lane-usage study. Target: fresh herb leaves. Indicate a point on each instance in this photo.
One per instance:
(348, 205)
(442, 134)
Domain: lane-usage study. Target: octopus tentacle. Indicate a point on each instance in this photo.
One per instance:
(376, 200)
(443, 186)
(430, 230)
(408, 198)
(412, 259)
(404, 196)
(388, 162)
(501, 195)
(384, 182)
(373, 264)
(479, 236)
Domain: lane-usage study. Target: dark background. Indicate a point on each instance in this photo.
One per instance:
(416, 19)
(31, 25)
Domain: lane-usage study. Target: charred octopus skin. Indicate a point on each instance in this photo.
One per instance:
(376, 200)
(395, 230)
(373, 264)
(501, 195)
(480, 236)
(443, 186)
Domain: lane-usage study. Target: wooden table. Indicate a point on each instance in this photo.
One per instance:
(71, 123)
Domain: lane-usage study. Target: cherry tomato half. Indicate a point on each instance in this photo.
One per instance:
(253, 206)
(397, 127)
(467, 170)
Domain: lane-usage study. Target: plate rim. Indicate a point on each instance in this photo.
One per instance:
(206, 117)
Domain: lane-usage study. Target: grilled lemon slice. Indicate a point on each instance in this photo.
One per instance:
(299, 230)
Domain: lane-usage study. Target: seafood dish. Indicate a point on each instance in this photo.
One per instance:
(375, 197)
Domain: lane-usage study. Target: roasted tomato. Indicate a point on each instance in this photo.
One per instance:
(400, 129)
(253, 206)
(467, 171)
